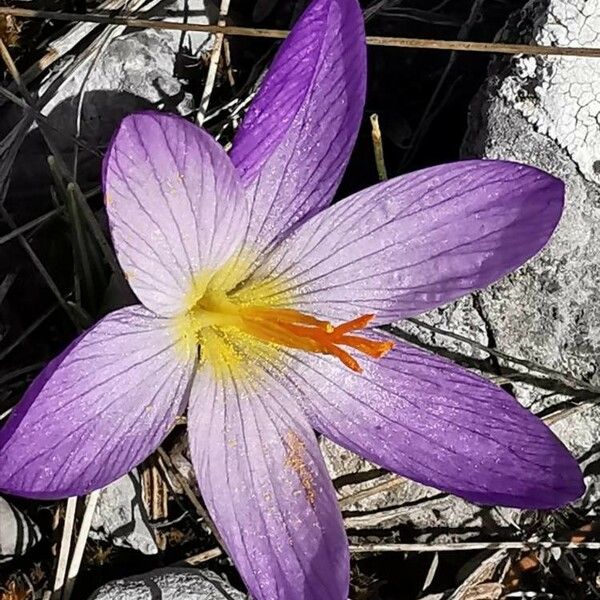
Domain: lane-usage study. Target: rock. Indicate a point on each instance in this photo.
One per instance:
(120, 516)
(169, 584)
(18, 533)
(137, 70)
(541, 111)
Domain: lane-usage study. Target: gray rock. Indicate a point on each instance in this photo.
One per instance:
(169, 584)
(544, 112)
(136, 70)
(17, 532)
(120, 516)
(539, 111)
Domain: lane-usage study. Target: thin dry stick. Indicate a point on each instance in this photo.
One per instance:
(65, 545)
(84, 532)
(374, 40)
(204, 556)
(385, 486)
(461, 546)
(378, 148)
(170, 469)
(228, 67)
(215, 57)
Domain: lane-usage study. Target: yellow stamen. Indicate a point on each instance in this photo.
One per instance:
(229, 327)
(292, 329)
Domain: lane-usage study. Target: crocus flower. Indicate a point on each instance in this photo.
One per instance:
(258, 312)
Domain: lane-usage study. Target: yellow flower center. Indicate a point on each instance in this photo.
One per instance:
(229, 327)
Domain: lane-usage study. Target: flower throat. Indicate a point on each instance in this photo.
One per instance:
(283, 327)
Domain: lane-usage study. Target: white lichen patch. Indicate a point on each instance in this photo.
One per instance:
(559, 95)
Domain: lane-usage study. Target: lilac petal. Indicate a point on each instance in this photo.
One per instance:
(264, 482)
(416, 242)
(295, 141)
(97, 410)
(175, 205)
(431, 421)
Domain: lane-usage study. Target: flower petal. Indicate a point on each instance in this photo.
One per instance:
(262, 476)
(175, 206)
(97, 410)
(423, 417)
(295, 141)
(416, 242)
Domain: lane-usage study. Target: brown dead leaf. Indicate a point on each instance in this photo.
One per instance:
(10, 31)
(14, 591)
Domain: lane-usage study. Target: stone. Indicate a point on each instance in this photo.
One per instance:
(139, 69)
(18, 533)
(120, 516)
(541, 111)
(169, 584)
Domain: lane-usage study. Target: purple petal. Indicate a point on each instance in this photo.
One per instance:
(416, 242)
(265, 484)
(97, 410)
(175, 205)
(295, 141)
(431, 421)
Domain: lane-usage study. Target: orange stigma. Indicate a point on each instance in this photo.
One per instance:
(291, 328)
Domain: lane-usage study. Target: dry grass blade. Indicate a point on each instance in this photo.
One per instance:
(27, 332)
(386, 486)
(169, 470)
(213, 65)
(378, 147)
(462, 546)
(481, 575)
(65, 545)
(39, 266)
(95, 229)
(84, 532)
(204, 556)
(397, 42)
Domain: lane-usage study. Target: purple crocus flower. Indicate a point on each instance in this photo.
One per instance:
(257, 309)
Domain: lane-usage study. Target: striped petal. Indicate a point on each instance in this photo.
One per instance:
(416, 242)
(97, 410)
(429, 420)
(296, 138)
(265, 484)
(175, 206)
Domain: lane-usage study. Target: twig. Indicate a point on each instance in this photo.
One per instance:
(204, 556)
(397, 42)
(84, 532)
(386, 486)
(65, 545)
(170, 469)
(378, 147)
(213, 65)
(462, 546)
